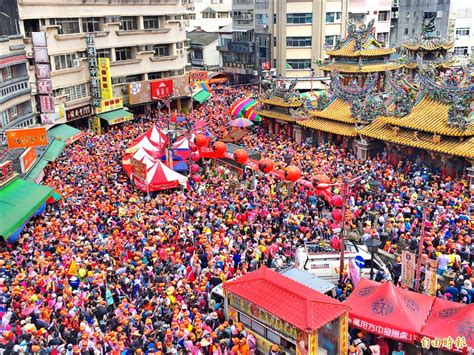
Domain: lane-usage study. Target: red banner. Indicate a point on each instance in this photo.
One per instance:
(161, 89)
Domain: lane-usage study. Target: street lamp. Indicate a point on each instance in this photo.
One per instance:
(344, 191)
(426, 203)
(373, 245)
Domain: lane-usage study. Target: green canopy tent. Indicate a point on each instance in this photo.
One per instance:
(54, 150)
(201, 96)
(65, 133)
(116, 116)
(19, 201)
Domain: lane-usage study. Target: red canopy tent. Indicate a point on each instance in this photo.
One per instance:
(384, 309)
(153, 138)
(447, 325)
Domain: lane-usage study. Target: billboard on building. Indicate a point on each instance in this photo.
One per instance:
(161, 89)
(105, 78)
(27, 137)
(27, 159)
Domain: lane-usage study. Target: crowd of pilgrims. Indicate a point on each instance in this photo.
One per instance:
(147, 264)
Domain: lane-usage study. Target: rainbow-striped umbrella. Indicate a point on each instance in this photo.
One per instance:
(252, 115)
(239, 107)
(240, 122)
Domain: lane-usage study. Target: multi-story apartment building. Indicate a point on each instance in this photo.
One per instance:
(454, 22)
(144, 40)
(250, 41)
(363, 11)
(302, 30)
(464, 31)
(210, 15)
(16, 108)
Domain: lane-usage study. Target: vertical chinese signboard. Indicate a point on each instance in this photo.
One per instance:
(95, 125)
(93, 70)
(6, 172)
(27, 159)
(431, 280)
(408, 268)
(105, 79)
(43, 77)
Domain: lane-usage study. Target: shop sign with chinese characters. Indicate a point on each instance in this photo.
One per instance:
(27, 159)
(93, 70)
(384, 331)
(28, 137)
(266, 318)
(78, 112)
(448, 343)
(43, 73)
(107, 105)
(408, 268)
(95, 125)
(6, 172)
(105, 79)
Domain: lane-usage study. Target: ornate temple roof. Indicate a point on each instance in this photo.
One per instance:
(276, 115)
(428, 44)
(371, 48)
(282, 102)
(337, 110)
(364, 68)
(431, 116)
(330, 126)
(382, 130)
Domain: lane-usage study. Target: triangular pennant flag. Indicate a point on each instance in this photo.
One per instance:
(72, 268)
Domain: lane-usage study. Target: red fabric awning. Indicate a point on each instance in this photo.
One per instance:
(450, 319)
(384, 309)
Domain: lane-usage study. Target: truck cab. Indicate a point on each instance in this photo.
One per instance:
(321, 259)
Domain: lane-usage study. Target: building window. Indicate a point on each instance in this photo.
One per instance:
(382, 37)
(14, 111)
(103, 53)
(298, 41)
(74, 92)
(192, 16)
(198, 55)
(7, 73)
(67, 25)
(179, 45)
(64, 61)
(405, 32)
(461, 51)
(333, 17)
(151, 22)
(90, 24)
(4, 118)
(463, 31)
(298, 64)
(330, 40)
(123, 53)
(299, 18)
(224, 15)
(159, 75)
(161, 50)
(357, 17)
(208, 13)
(128, 23)
(383, 16)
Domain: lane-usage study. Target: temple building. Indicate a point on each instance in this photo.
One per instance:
(277, 108)
(433, 51)
(434, 126)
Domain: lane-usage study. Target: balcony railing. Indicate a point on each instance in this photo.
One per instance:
(14, 88)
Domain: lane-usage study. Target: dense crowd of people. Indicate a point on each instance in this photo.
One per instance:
(146, 264)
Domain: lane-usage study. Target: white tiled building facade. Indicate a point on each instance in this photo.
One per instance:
(144, 39)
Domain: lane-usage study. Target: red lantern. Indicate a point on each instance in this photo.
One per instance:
(200, 140)
(337, 201)
(265, 165)
(292, 173)
(220, 147)
(196, 177)
(337, 214)
(193, 147)
(194, 168)
(321, 181)
(240, 156)
(194, 157)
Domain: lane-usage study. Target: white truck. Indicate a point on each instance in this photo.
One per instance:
(323, 261)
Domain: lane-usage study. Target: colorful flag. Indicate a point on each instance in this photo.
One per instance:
(72, 268)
